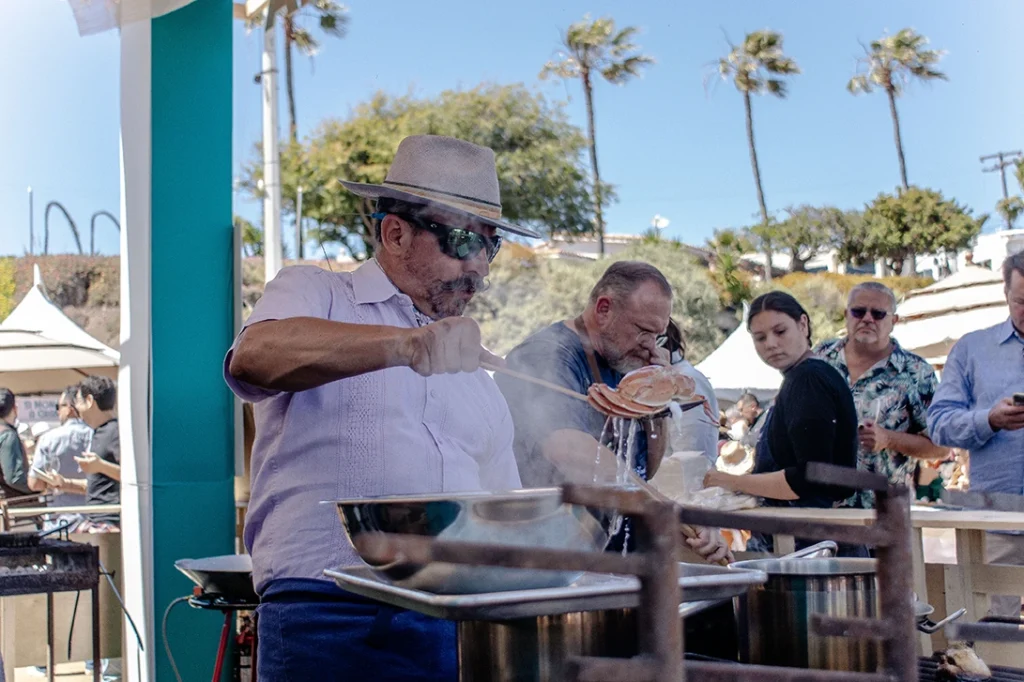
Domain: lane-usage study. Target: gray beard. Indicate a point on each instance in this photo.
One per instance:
(444, 304)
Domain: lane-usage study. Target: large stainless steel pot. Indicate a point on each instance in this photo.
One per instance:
(774, 619)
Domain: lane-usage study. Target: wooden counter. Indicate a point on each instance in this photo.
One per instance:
(919, 517)
(949, 587)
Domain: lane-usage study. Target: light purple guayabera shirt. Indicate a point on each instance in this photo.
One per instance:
(389, 432)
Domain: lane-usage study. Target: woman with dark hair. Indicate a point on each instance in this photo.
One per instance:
(813, 419)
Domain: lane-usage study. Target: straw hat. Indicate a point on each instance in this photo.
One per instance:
(733, 458)
(454, 174)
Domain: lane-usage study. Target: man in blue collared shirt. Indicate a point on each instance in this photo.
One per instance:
(973, 409)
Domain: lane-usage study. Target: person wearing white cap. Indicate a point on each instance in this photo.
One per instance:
(369, 383)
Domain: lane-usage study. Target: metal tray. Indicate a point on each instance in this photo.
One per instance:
(591, 592)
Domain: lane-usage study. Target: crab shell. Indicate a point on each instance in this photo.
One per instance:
(600, 401)
(621, 403)
(656, 386)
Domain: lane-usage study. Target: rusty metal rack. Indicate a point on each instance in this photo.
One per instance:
(656, 527)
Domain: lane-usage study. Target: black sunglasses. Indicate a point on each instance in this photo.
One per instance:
(876, 314)
(455, 242)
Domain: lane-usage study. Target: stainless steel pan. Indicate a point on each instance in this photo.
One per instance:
(524, 518)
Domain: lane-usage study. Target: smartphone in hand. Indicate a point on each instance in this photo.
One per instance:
(1018, 399)
(44, 476)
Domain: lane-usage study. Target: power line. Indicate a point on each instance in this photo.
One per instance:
(1003, 159)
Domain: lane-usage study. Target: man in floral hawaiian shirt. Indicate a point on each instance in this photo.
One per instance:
(891, 387)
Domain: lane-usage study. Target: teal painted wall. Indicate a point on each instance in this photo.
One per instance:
(192, 317)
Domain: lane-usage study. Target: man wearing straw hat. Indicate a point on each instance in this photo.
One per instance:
(365, 384)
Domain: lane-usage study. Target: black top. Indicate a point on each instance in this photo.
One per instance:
(813, 420)
(106, 444)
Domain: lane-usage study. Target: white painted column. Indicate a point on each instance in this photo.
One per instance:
(134, 384)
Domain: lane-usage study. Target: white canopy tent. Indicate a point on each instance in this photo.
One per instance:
(36, 312)
(934, 318)
(43, 351)
(33, 363)
(734, 368)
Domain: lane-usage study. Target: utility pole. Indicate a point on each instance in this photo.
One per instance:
(1003, 159)
(267, 78)
(298, 225)
(271, 154)
(31, 226)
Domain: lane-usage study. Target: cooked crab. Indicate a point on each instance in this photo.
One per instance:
(644, 392)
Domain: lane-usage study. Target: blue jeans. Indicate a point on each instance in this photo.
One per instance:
(313, 630)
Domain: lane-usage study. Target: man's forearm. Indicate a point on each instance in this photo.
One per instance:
(79, 486)
(300, 353)
(110, 470)
(916, 445)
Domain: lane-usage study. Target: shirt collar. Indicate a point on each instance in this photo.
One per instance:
(1008, 332)
(371, 285)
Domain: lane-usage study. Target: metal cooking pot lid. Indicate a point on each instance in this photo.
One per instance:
(824, 568)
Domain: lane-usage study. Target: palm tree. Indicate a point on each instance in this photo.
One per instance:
(332, 19)
(891, 63)
(756, 67)
(589, 48)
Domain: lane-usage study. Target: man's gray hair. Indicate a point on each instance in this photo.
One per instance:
(621, 279)
(876, 287)
(1012, 263)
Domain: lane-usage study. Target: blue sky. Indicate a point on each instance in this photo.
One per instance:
(669, 146)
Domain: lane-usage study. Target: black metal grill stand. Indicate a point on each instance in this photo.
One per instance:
(60, 566)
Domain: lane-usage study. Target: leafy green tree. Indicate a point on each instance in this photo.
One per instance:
(806, 231)
(848, 236)
(917, 220)
(891, 63)
(252, 237)
(1010, 209)
(758, 67)
(7, 286)
(540, 158)
(732, 281)
(591, 48)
